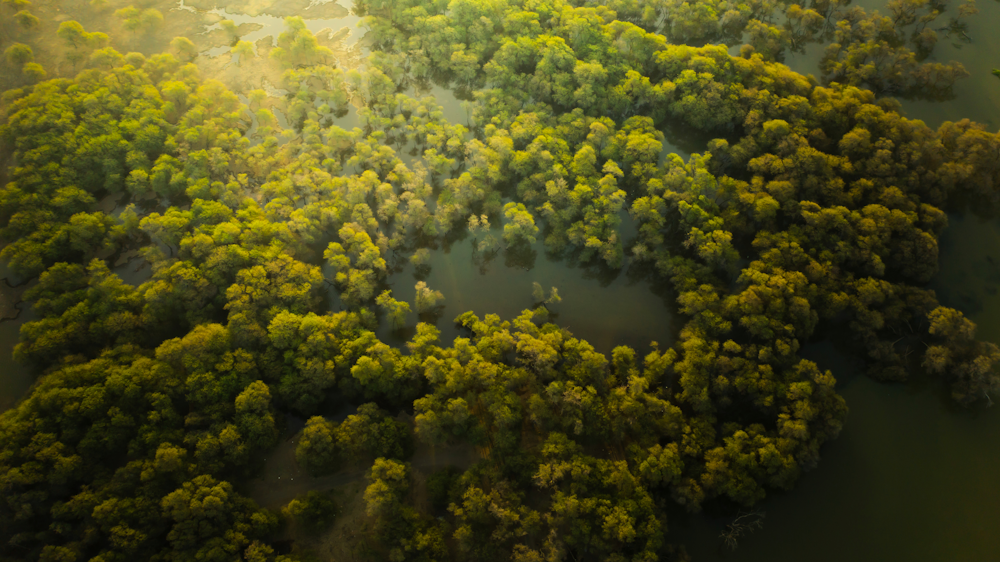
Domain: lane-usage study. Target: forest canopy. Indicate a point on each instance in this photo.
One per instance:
(817, 207)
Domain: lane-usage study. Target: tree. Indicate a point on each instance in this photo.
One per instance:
(72, 32)
(426, 298)
(231, 30)
(19, 54)
(83, 310)
(22, 17)
(202, 514)
(253, 416)
(317, 449)
(253, 300)
(970, 365)
(388, 481)
(372, 433)
(396, 310)
(313, 510)
(34, 71)
(744, 523)
(538, 293)
(309, 352)
(184, 48)
(521, 226)
(421, 257)
(298, 46)
(135, 20)
(243, 49)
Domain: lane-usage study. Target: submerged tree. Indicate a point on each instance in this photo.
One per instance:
(396, 310)
(426, 298)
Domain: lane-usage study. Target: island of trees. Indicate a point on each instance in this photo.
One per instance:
(817, 206)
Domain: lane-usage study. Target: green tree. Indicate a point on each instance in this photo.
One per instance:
(427, 299)
(396, 310)
(317, 448)
(184, 48)
(244, 50)
(388, 480)
(313, 510)
(19, 54)
(521, 226)
(371, 432)
(136, 20)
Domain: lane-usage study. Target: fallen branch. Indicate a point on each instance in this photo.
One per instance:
(744, 524)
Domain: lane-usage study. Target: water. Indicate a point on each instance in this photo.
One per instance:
(604, 307)
(266, 25)
(15, 379)
(908, 479)
(911, 476)
(976, 97)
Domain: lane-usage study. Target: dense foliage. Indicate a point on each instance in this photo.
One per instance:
(820, 205)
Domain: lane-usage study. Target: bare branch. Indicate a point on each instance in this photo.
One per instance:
(744, 524)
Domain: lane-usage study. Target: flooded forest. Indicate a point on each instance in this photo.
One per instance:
(491, 280)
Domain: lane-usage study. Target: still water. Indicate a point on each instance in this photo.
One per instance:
(911, 477)
(604, 307)
(15, 379)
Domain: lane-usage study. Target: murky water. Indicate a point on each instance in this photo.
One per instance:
(908, 479)
(15, 379)
(911, 477)
(605, 307)
(976, 97)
